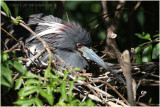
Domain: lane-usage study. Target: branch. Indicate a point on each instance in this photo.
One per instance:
(124, 60)
(117, 16)
(23, 24)
(126, 67)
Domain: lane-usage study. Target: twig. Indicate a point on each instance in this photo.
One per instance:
(134, 65)
(93, 91)
(15, 77)
(146, 70)
(114, 91)
(151, 74)
(107, 85)
(149, 82)
(8, 33)
(143, 104)
(137, 5)
(67, 17)
(104, 8)
(13, 47)
(113, 27)
(36, 57)
(105, 14)
(117, 16)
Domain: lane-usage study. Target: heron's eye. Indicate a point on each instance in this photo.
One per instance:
(79, 45)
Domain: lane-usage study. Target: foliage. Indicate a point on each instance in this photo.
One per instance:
(150, 51)
(9, 65)
(5, 8)
(7, 11)
(47, 91)
(44, 91)
(18, 19)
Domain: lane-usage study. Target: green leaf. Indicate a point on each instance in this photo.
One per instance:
(65, 75)
(77, 69)
(48, 97)
(155, 52)
(18, 18)
(144, 43)
(15, 22)
(144, 36)
(38, 102)
(87, 103)
(16, 9)
(54, 76)
(5, 56)
(156, 35)
(63, 69)
(18, 83)
(150, 100)
(71, 88)
(19, 67)
(39, 80)
(101, 35)
(137, 49)
(47, 72)
(60, 104)
(6, 76)
(146, 55)
(141, 18)
(70, 93)
(79, 78)
(95, 7)
(90, 103)
(63, 92)
(24, 102)
(56, 73)
(75, 102)
(138, 56)
(29, 75)
(31, 81)
(28, 90)
(5, 8)
(49, 89)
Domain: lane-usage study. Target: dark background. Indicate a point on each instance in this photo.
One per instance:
(144, 19)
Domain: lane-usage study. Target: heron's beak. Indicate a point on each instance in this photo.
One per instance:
(90, 54)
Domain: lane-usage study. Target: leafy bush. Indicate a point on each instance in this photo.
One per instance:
(32, 90)
(149, 51)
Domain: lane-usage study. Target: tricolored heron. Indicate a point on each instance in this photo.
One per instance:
(71, 42)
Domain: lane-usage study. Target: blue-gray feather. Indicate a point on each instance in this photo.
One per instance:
(63, 39)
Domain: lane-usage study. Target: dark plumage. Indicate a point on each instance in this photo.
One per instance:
(71, 42)
(60, 35)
